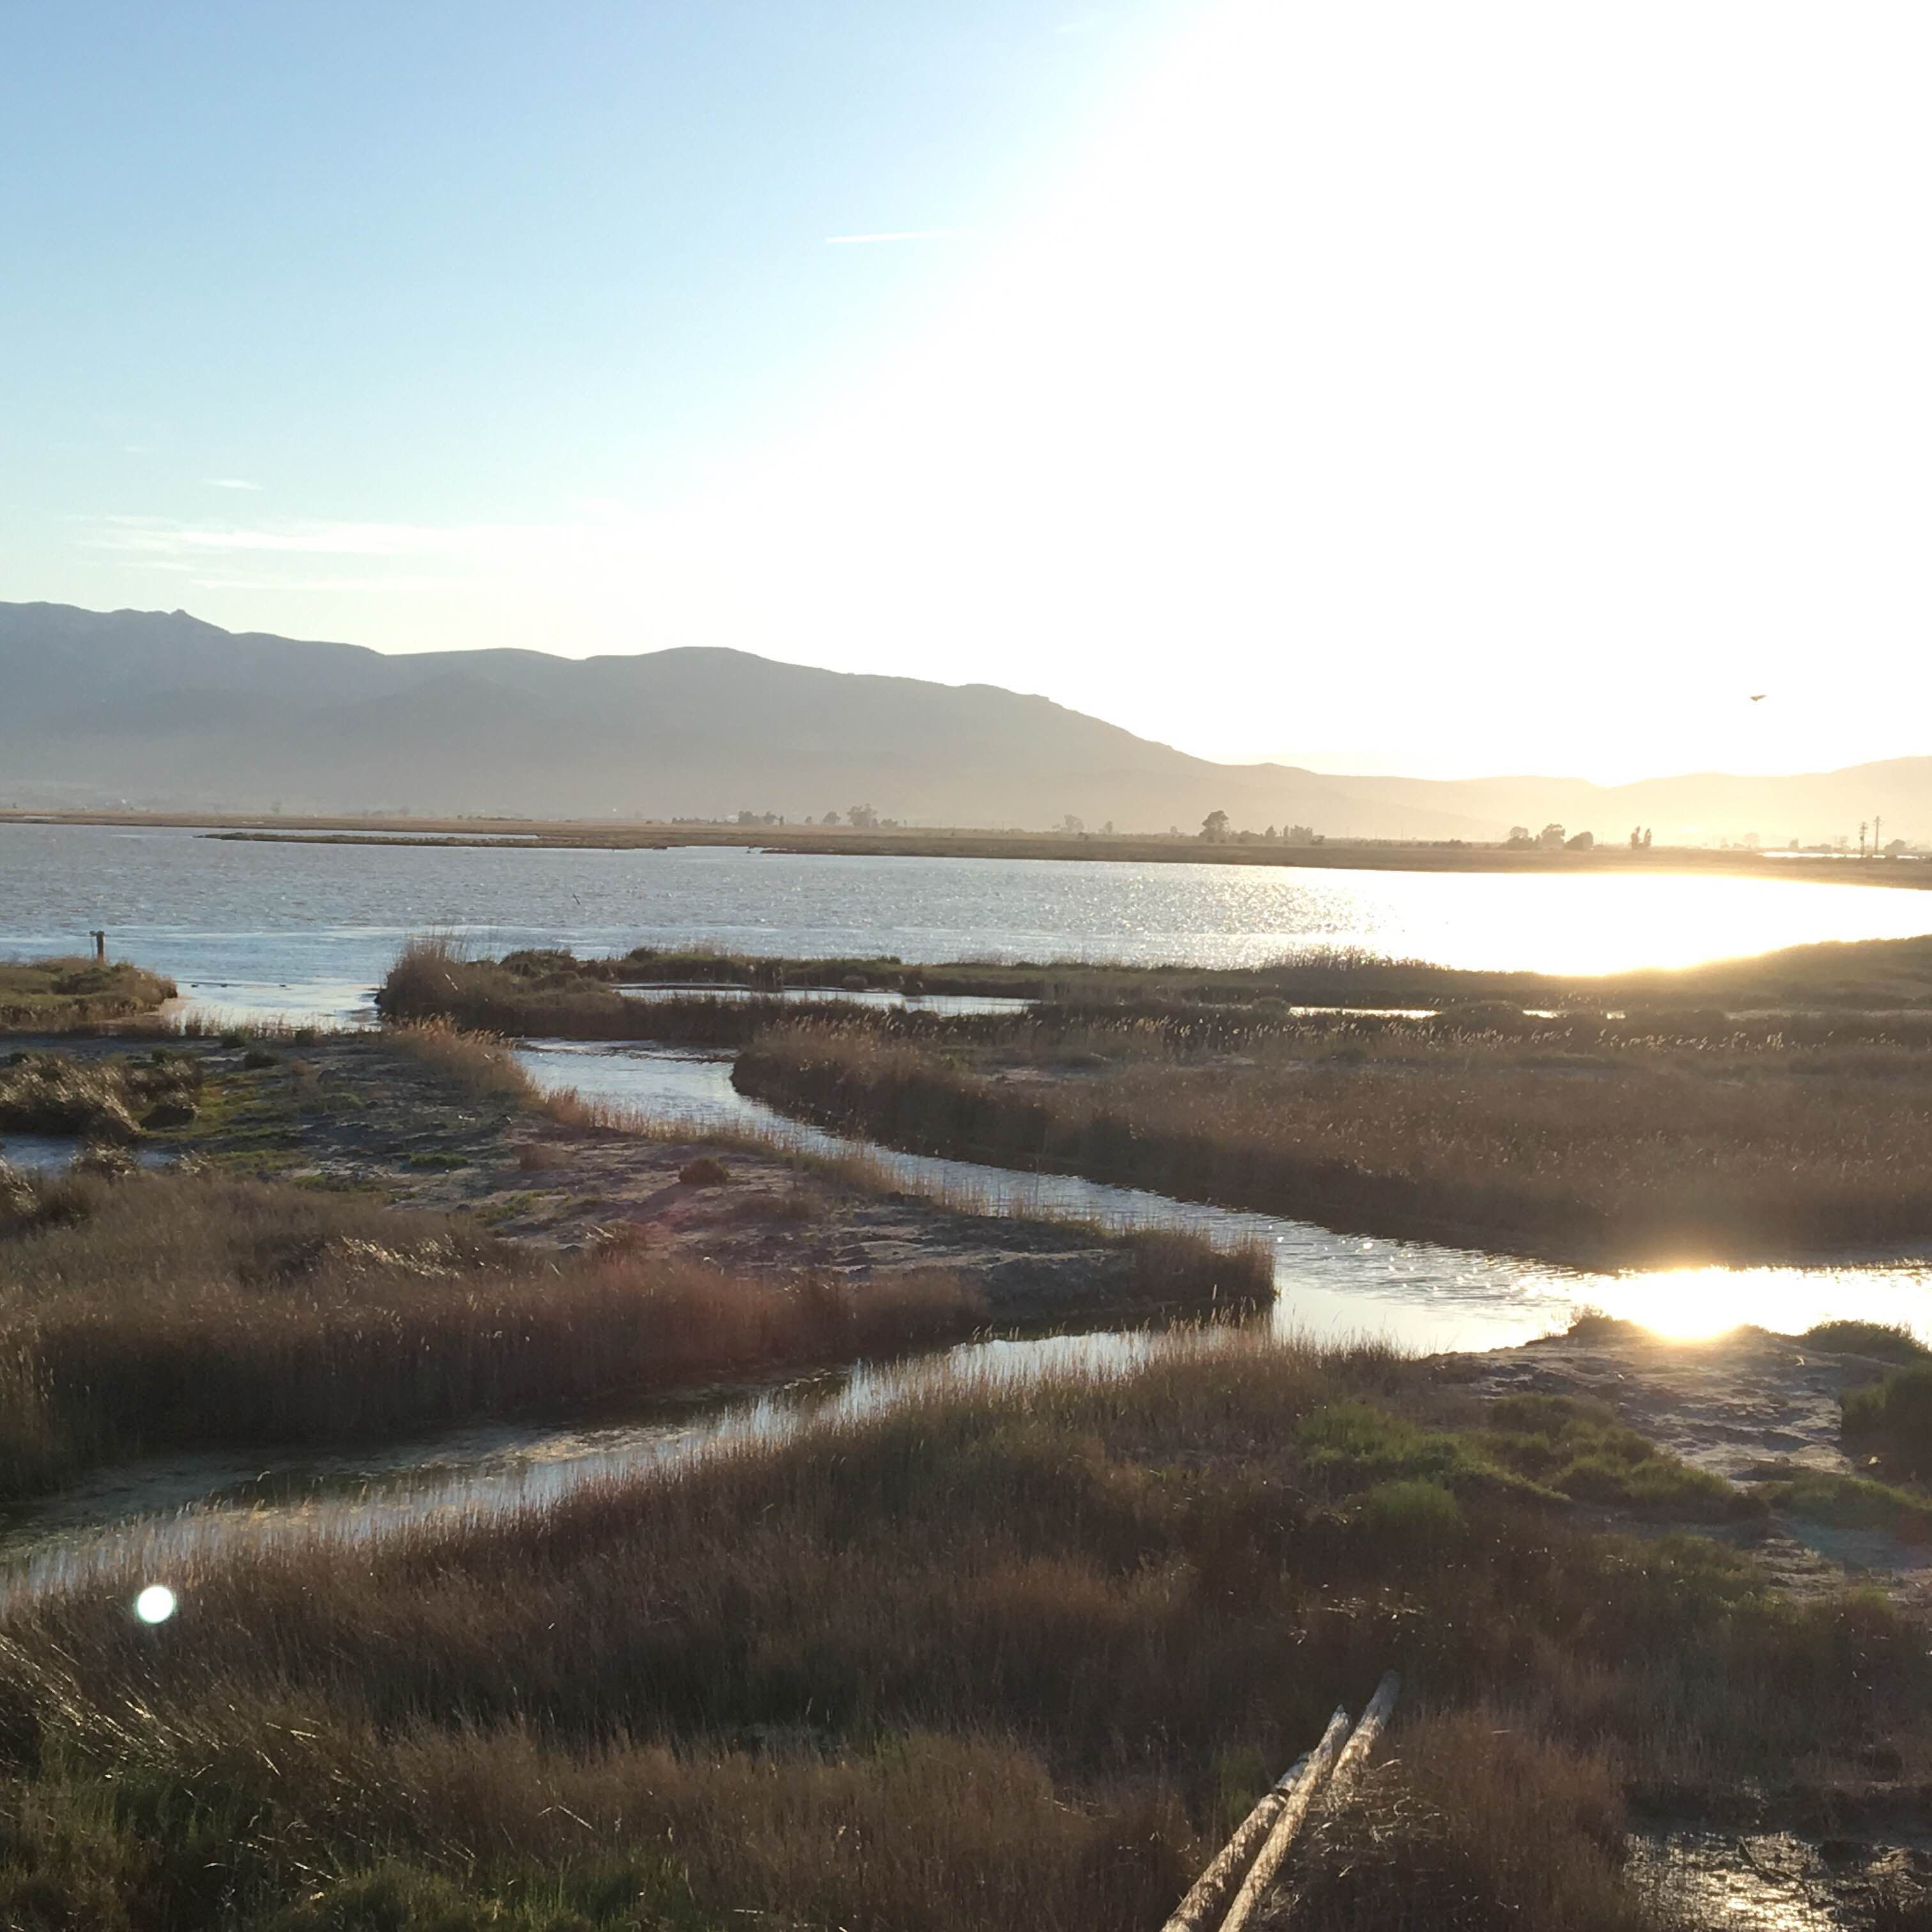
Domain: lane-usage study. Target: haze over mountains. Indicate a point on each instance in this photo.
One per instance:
(159, 710)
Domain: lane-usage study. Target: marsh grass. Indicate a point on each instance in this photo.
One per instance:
(63, 995)
(1615, 1148)
(1822, 987)
(197, 1311)
(987, 1660)
(104, 1099)
(555, 996)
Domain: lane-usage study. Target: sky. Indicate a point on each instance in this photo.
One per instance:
(1389, 387)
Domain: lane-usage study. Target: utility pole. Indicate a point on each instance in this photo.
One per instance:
(1876, 822)
(1861, 837)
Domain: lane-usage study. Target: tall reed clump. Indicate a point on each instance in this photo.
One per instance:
(1636, 1151)
(175, 1312)
(1000, 1657)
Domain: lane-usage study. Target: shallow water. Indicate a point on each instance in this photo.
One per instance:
(306, 931)
(154, 1521)
(54, 1153)
(878, 997)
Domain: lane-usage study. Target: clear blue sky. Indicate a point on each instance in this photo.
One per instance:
(1497, 386)
(440, 262)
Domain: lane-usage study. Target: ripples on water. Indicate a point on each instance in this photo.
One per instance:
(303, 928)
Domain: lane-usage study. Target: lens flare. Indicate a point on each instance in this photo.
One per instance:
(155, 1604)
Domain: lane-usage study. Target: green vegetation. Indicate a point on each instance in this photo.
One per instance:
(1852, 1502)
(1884, 1341)
(55, 995)
(997, 1658)
(1574, 1140)
(1551, 1447)
(1891, 1421)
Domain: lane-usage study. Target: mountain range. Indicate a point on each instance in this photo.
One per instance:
(161, 710)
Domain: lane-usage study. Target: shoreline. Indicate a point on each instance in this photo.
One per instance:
(1606, 861)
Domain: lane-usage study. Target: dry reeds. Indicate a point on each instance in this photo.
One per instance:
(1640, 1150)
(192, 1311)
(1001, 1657)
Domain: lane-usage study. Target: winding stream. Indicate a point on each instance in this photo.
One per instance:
(154, 1519)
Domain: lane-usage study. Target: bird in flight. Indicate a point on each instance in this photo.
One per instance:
(1759, 696)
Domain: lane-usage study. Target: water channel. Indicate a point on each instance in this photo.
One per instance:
(157, 1519)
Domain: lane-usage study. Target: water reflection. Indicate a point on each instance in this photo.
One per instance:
(253, 925)
(877, 997)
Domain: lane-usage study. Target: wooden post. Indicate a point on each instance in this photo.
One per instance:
(99, 947)
(1274, 1854)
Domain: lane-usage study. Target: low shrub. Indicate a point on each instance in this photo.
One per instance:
(1891, 1421)
(1884, 1341)
(1852, 1502)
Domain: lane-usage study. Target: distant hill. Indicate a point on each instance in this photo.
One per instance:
(161, 709)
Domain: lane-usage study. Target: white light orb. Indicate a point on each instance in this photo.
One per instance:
(155, 1604)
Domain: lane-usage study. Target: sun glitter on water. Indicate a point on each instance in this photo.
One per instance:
(1692, 1304)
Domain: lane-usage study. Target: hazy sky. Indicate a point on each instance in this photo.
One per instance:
(1448, 388)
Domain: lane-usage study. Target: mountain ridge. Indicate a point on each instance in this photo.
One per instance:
(166, 710)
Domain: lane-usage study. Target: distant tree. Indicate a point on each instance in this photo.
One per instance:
(1519, 835)
(861, 818)
(1072, 823)
(1271, 833)
(1583, 842)
(1214, 827)
(830, 818)
(1299, 835)
(1107, 830)
(1552, 836)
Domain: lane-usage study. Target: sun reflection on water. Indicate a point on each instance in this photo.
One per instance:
(1693, 1303)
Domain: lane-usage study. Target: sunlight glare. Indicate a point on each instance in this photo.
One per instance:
(1697, 1303)
(155, 1604)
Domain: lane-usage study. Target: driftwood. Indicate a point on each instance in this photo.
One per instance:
(1286, 1808)
(1201, 1908)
